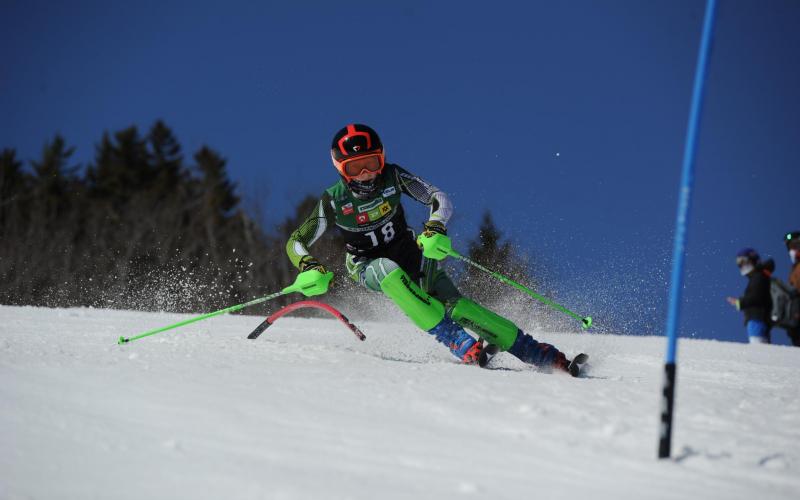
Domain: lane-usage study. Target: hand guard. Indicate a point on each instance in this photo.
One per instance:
(313, 279)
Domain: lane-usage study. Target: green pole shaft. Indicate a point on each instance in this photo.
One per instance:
(585, 321)
(123, 340)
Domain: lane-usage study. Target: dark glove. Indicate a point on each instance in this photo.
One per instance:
(308, 262)
(433, 227)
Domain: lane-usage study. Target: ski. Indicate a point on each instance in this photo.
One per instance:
(576, 364)
(487, 353)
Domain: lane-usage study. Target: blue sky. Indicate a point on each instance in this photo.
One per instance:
(566, 119)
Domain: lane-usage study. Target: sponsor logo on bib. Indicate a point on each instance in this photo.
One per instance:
(370, 206)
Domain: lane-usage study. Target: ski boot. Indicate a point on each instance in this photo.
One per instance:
(460, 343)
(545, 356)
(576, 365)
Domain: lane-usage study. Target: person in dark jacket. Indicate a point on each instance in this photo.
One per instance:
(756, 303)
(792, 240)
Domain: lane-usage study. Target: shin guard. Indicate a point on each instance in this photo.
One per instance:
(425, 311)
(490, 326)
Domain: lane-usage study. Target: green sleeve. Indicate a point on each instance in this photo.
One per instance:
(310, 230)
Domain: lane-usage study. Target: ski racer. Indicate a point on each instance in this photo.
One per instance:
(383, 256)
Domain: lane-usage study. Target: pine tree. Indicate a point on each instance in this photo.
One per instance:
(14, 221)
(217, 200)
(52, 178)
(136, 230)
(167, 160)
(11, 175)
(218, 192)
(122, 168)
(488, 250)
(13, 183)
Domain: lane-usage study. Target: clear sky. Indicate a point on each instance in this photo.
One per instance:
(566, 119)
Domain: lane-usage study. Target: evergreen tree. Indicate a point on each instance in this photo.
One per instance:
(218, 192)
(122, 167)
(14, 220)
(217, 200)
(167, 160)
(138, 230)
(13, 189)
(12, 178)
(52, 180)
(488, 250)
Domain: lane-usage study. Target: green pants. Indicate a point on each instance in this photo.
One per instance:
(427, 305)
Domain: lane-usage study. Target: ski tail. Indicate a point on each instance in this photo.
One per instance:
(576, 365)
(259, 329)
(487, 353)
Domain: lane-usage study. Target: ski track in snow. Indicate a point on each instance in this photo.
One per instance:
(308, 412)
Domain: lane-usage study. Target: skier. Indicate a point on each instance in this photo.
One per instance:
(792, 240)
(756, 302)
(383, 256)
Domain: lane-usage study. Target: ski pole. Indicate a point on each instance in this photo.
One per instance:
(586, 321)
(308, 283)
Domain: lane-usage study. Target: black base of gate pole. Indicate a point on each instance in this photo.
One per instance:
(667, 405)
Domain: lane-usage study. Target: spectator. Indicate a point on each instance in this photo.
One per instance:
(793, 246)
(756, 303)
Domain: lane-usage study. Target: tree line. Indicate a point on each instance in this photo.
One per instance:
(143, 227)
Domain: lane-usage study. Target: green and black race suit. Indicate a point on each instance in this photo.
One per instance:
(373, 227)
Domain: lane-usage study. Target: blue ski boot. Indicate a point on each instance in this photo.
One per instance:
(539, 354)
(460, 343)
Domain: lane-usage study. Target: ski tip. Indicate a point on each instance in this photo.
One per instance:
(122, 340)
(586, 322)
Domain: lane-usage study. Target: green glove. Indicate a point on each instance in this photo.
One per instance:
(434, 242)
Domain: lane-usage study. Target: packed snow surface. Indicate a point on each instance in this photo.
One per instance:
(307, 411)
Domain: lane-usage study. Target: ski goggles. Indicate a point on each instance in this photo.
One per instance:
(740, 261)
(350, 169)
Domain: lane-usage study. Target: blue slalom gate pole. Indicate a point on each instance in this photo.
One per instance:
(684, 198)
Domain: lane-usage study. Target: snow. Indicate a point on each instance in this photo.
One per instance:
(307, 411)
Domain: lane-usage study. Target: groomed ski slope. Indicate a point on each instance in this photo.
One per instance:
(308, 412)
